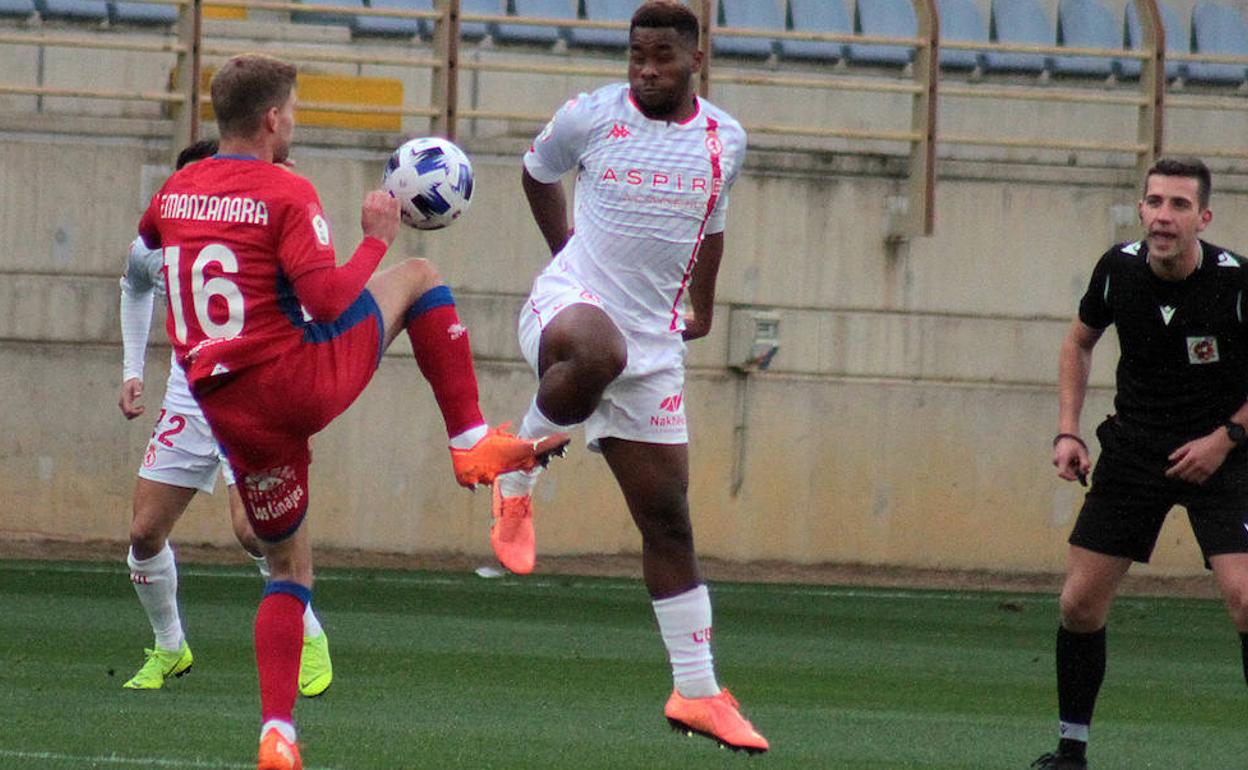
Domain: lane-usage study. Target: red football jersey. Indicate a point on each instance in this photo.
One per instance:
(236, 232)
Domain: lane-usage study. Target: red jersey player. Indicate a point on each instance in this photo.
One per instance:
(277, 340)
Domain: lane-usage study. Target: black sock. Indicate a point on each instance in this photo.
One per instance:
(1243, 645)
(1080, 672)
(1068, 748)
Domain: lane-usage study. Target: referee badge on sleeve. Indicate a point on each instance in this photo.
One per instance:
(1202, 350)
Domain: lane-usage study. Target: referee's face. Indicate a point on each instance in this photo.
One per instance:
(1172, 216)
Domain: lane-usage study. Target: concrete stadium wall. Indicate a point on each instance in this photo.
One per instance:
(906, 420)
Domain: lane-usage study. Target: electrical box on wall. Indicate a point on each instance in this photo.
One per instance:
(754, 338)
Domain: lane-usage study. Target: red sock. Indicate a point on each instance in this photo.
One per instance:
(440, 343)
(279, 645)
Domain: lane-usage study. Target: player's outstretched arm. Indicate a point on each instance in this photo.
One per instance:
(1073, 366)
(326, 292)
(549, 205)
(702, 287)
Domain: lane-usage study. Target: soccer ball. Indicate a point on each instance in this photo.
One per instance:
(432, 178)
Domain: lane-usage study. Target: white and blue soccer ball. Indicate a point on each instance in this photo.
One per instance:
(432, 179)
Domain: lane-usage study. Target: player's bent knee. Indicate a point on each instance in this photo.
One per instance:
(420, 275)
(1082, 613)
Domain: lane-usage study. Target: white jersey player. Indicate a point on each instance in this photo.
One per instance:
(182, 457)
(606, 322)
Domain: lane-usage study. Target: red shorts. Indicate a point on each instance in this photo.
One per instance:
(264, 415)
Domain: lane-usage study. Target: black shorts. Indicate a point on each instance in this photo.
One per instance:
(1131, 496)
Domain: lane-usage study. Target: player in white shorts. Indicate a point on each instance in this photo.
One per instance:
(182, 457)
(605, 325)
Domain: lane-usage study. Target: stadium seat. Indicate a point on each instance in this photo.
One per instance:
(141, 13)
(960, 20)
(1085, 24)
(1021, 22)
(817, 16)
(547, 35)
(603, 10)
(320, 17)
(475, 30)
(393, 25)
(755, 14)
(81, 10)
(1177, 41)
(1218, 29)
(884, 18)
(22, 8)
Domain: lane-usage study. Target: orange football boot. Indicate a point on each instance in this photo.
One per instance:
(511, 534)
(277, 753)
(501, 452)
(718, 718)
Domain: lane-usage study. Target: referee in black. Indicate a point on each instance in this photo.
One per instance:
(1181, 310)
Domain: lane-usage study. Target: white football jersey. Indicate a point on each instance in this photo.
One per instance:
(144, 274)
(647, 193)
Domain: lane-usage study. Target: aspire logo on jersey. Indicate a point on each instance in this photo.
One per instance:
(661, 180)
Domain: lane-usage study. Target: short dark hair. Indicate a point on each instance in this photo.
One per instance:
(196, 151)
(1192, 168)
(245, 88)
(660, 14)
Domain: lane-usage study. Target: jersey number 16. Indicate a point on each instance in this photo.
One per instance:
(202, 291)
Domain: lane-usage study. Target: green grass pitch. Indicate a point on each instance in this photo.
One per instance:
(448, 670)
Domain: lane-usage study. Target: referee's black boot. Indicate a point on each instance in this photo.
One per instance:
(1052, 761)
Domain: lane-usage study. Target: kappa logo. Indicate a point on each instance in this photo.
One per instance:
(673, 403)
(456, 331)
(619, 131)
(1202, 350)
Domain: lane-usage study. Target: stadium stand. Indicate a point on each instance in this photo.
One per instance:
(79, 10)
(1218, 29)
(960, 20)
(393, 25)
(542, 35)
(756, 14)
(321, 17)
(1019, 21)
(1085, 24)
(476, 30)
(20, 8)
(1177, 41)
(603, 10)
(141, 13)
(884, 18)
(817, 16)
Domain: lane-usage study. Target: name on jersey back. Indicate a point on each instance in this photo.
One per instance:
(213, 208)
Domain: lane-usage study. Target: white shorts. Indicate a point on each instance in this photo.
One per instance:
(183, 453)
(647, 401)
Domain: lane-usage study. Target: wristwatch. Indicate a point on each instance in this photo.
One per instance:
(1236, 432)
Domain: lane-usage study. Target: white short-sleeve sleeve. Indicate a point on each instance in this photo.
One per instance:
(558, 148)
(718, 220)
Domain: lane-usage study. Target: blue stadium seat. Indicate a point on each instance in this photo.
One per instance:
(1022, 22)
(1218, 29)
(21, 8)
(320, 17)
(817, 16)
(393, 25)
(884, 18)
(475, 30)
(142, 13)
(522, 33)
(604, 10)
(960, 20)
(81, 10)
(1085, 24)
(756, 14)
(1177, 41)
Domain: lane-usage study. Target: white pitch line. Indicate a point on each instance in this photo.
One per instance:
(114, 759)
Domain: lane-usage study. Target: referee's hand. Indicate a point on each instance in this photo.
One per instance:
(1198, 459)
(1071, 460)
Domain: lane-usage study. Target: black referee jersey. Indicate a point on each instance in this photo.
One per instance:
(1183, 369)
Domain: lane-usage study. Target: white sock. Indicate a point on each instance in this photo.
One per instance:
(262, 564)
(311, 624)
(282, 726)
(1072, 731)
(469, 438)
(156, 582)
(685, 624)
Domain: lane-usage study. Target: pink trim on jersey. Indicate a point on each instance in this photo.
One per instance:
(697, 110)
(714, 148)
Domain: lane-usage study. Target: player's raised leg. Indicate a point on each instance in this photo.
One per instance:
(154, 574)
(580, 353)
(412, 297)
(654, 479)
